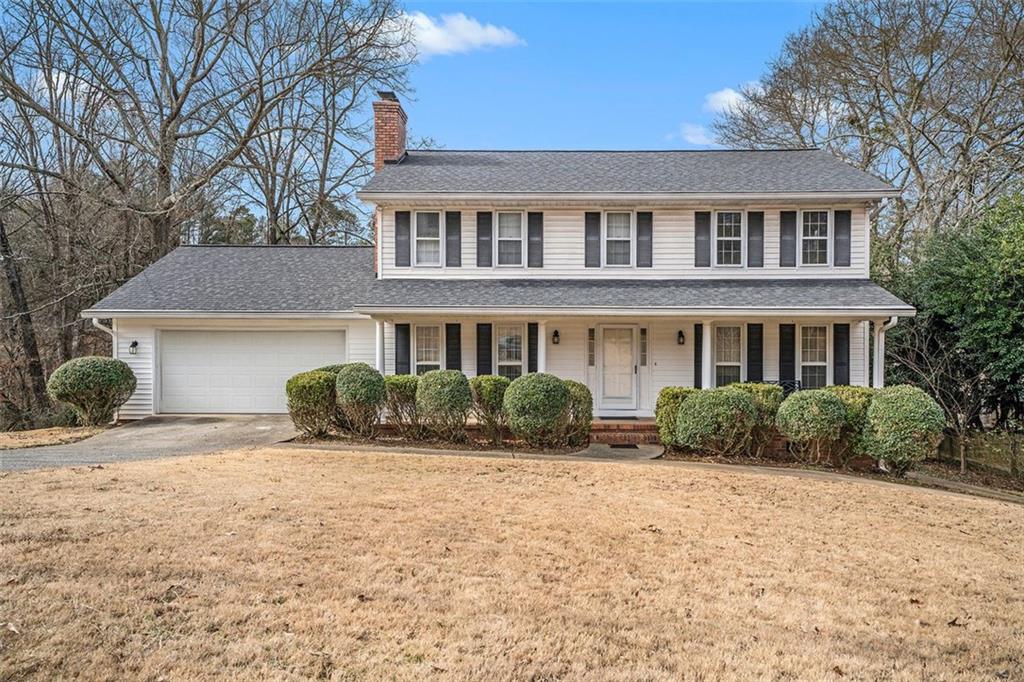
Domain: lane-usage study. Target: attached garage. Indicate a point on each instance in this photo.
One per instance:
(234, 371)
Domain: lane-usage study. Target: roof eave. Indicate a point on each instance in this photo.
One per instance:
(372, 196)
(854, 312)
(225, 314)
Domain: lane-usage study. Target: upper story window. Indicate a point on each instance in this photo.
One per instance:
(428, 238)
(729, 238)
(813, 356)
(510, 350)
(728, 354)
(510, 238)
(814, 238)
(428, 348)
(618, 238)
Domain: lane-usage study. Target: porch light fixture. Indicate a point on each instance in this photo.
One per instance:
(133, 348)
(680, 337)
(555, 338)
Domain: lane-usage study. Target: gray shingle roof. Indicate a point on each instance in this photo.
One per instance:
(312, 280)
(613, 172)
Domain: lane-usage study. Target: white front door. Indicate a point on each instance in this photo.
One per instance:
(618, 368)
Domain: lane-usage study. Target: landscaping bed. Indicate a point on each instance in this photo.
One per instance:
(387, 438)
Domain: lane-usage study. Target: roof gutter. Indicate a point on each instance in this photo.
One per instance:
(866, 312)
(637, 197)
(228, 314)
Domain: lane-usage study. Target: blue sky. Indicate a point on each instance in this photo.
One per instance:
(573, 75)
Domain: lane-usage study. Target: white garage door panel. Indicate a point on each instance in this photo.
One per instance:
(238, 371)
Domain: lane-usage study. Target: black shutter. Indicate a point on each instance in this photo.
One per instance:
(453, 346)
(755, 352)
(702, 239)
(787, 239)
(698, 355)
(403, 337)
(483, 349)
(755, 239)
(842, 239)
(402, 239)
(453, 239)
(787, 352)
(645, 239)
(841, 354)
(483, 239)
(592, 224)
(534, 240)
(531, 347)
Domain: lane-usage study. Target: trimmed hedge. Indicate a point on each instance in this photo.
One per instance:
(718, 421)
(400, 400)
(537, 407)
(443, 401)
(581, 414)
(361, 392)
(667, 409)
(488, 396)
(767, 399)
(93, 386)
(905, 426)
(311, 401)
(853, 439)
(812, 421)
(331, 369)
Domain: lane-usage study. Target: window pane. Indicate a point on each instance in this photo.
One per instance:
(510, 371)
(428, 344)
(510, 252)
(730, 252)
(812, 376)
(730, 225)
(617, 225)
(727, 344)
(815, 251)
(617, 252)
(510, 344)
(510, 226)
(815, 223)
(428, 251)
(727, 374)
(814, 344)
(591, 343)
(428, 225)
(643, 347)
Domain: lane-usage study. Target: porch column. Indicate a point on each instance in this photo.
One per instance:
(878, 373)
(378, 356)
(542, 346)
(707, 375)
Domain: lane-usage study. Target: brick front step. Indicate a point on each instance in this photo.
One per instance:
(624, 432)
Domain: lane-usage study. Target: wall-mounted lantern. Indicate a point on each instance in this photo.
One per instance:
(680, 337)
(555, 338)
(133, 348)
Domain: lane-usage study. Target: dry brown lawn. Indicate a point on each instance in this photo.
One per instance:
(286, 564)
(58, 435)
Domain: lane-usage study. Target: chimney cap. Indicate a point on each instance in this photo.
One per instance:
(387, 95)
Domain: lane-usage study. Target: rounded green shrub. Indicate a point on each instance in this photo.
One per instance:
(400, 401)
(311, 401)
(717, 421)
(339, 421)
(536, 406)
(767, 399)
(905, 426)
(580, 415)
(666, 409)
(853, 439)
(488, 397)
(361, 393)
(812, 421)
(443, 401)
(330, 369)
(93, 386)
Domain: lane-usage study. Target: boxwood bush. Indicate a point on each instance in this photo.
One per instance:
(717, 421)
(813, 422)
(537, 407)
(93, 386)
(904, 427)
(311, 401)
(443, 401)
(488, 397)
(666, 409)
(330, 369)
(581, 414)
(361, 394)
(767, 399)
(853, 439)
(400, 391)
(339, 421)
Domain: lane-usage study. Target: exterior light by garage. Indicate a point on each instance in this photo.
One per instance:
(133, 348)
(555, 338)
(680, 337)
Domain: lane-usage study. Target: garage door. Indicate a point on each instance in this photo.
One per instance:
(238, 371)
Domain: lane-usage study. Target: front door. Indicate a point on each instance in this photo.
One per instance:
(618, 368)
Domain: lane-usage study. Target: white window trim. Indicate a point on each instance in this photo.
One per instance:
(714, 351)
(416, 239)
(632, 239)
(828, 238)
(522, 240)
(800, 352)
(440, 341)
(494, 350)
(743, 238)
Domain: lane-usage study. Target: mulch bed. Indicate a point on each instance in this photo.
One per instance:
(472, 444)
(979, 475)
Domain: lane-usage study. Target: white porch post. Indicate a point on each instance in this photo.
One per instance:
(878, 378)
(378, 357)
(706, 375)
(542, 346)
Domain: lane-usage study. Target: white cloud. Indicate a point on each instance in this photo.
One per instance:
(726, 99)
(695, 134)
(457, 33)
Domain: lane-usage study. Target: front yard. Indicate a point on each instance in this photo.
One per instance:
(302, 564)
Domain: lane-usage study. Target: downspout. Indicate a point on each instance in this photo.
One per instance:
(879, 378)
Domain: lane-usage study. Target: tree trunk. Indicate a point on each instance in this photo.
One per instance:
(963, 453)
(23, 322)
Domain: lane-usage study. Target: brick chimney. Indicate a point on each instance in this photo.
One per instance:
(389, 121)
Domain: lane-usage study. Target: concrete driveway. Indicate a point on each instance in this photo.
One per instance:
(156, 437)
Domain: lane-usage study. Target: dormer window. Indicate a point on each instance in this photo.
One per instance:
(510, 238)
(428, 239)
(814, 238)
(729, 238)
(618, 238)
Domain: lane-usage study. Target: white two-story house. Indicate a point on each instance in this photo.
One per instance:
(626, 270)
